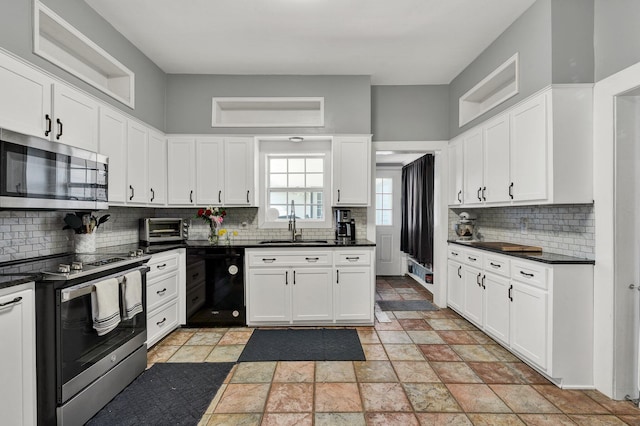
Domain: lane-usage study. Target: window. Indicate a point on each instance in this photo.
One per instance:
(297, 178)
(384, 201)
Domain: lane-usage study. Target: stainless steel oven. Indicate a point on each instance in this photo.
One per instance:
(162, 230)
(78, 370)
(36, 173)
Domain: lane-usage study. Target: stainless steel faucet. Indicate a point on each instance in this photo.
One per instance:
(295, 235)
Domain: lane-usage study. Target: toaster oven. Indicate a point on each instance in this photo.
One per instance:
(155, 230)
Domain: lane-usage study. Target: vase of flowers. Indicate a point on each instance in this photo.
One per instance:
(214, 216)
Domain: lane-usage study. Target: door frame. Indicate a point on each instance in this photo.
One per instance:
(440, 209)
(396, 170)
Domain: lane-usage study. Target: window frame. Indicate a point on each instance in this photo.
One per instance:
(376, 193)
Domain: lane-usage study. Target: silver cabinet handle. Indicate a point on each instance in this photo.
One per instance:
(11, 302)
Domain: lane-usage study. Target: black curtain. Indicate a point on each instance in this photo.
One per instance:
(416, 234)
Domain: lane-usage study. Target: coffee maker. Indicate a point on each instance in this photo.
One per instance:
(345, 226)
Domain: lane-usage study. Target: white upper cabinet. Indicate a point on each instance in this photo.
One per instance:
(351, 171)
(539, 152)
(113, 144)
(137, 155)
(455, 172)
(76, 118)
(210, 171)
(473, 167)
(529, 145)
(239, 163)
(181, 171)
(157, 169)
(25, 104)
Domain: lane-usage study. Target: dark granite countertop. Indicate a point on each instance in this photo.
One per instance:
(544, 257)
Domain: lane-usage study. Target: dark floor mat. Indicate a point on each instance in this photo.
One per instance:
(406, 305)
(303, 345)
(165, 394)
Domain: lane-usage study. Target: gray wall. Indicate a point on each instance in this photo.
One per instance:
(572, 41)
(347, 100)
(410, 113)
(616, 36)
(16, 23)
(530, 35)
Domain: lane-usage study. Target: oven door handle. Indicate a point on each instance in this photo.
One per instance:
(83, 289)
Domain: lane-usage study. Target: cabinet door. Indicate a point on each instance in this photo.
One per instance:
(312, 296)
(113, 144)
(529, 322)
(473, 295)
(157, 166)
(455, 283)
(473, 168)
(17, 358)
(496, 307)
(239, 185)
(269, 295)
(351, 171)
(210, 167)
(25, 104)
(76, 118)
(353, 294)
(529, 150)
(456, 166)
(181, 158)
(137, 155)
(496, 160)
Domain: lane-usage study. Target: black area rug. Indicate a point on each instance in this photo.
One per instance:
(406, 305)
(165, 394)
(303, 345)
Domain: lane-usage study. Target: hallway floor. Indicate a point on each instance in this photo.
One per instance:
(422, 368)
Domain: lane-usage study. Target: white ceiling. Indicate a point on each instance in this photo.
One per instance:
(393, 41)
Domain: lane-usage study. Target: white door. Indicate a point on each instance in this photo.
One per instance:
(240, 165)
(529, 322)
(76, 118)
(353, 298)
(312, 295)
(181, 165)
(497, 306)
(137, 156)
(388, 221)
(113, 144)
(210, 171)
(473, 172)
(157, 168)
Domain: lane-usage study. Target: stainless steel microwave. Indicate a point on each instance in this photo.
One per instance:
(155, 230)
(36, 173)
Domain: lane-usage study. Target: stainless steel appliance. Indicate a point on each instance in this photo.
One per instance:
(78, 372)
(215, 286)
(158, 230)
(345, 226)
(465, 228)
(39, 174)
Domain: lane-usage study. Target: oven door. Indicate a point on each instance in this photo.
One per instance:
(84, 355)
(36, 173)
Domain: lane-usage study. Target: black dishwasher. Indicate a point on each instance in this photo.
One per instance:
(215, 286)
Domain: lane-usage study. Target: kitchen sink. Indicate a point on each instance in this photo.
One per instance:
(289, 242)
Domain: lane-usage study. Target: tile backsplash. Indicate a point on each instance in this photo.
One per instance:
(27, 234)
(562, 229)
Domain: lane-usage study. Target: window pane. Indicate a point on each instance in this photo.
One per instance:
(283, 210)
(378, 201)
(277, 198)
(299, 211)
(297, 197)
(387, 185)
(277, 180)
(315, 180)
(386, 201)
(278, 165)
(386, 217)
(378, 217)
(314, 197)
(296, 180)
(315, 165)
(378, 185)
(296, 165)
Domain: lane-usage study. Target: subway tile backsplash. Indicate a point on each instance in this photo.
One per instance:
(562, 229)
(27, 234)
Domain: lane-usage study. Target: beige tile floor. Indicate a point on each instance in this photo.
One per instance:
(422, 368)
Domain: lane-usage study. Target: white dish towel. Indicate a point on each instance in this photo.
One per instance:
(105, 305)
(132, 294)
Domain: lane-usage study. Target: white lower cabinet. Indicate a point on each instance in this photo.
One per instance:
(320, 286)
(543, 313)
(18, 355)
(165, 294)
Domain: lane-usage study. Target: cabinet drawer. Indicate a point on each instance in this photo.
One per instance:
(161, 264)
(195, 273)
(352, 257)
(528, 273)
(289, 259)
(497, 264)
(161, 290)
(473, 258)
(162, 322)
(455, 253)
